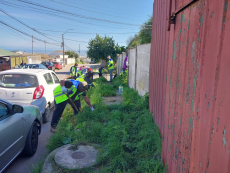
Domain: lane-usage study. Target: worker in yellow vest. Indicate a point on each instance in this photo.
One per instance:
(110, 67)
(73, 89)
(74, 71)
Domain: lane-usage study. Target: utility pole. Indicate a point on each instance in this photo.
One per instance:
(79, 51)
(63, 45)
(32, 45)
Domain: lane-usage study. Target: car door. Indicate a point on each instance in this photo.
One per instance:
(56, 81)
(11, 134)
(49, 87)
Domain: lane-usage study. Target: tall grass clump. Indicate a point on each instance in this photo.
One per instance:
(128, 139)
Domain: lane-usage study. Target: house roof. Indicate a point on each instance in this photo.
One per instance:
(6, 53)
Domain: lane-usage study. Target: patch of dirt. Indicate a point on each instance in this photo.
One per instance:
(113, 100)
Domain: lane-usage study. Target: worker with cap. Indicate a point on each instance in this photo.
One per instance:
(73, 89)
(74, 71)
(100, 71)
(110, 67)
(86, 76)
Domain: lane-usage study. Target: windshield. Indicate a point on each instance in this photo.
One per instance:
(30, 66)
(18, 81)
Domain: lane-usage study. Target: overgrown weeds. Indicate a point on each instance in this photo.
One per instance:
(128, 139)
(37, 168)
(120, 80)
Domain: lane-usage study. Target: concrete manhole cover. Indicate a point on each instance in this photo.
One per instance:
(78, 155)
(84, 156)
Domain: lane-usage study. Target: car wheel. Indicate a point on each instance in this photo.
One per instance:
(46, 114)
(31, 141)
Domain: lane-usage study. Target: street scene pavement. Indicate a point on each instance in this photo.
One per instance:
(23, 164)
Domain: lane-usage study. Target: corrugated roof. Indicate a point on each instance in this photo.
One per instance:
(7, 53)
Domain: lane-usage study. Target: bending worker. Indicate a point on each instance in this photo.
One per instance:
(110, 67)
(74, 71)
(100, 71)
(73, 89)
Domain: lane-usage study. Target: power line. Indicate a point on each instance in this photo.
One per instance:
(94, 32)
(76, 15)
(91, 10)
(24, 32)
(26, 25)
(52, 14)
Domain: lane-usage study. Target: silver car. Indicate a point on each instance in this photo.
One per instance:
(20, 126)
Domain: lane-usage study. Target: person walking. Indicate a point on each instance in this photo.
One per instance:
(73, 90)
(74, 71)
(125, 64)
(110, 67)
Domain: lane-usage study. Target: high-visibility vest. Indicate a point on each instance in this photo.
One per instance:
(79, 72)
(60, 97)
(111, 63)
(80, 79)
(73, 71)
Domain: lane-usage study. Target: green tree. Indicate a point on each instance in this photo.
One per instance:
(133, 40)
(100, 47)
(71, 54)
(144, 35)
(120, 49)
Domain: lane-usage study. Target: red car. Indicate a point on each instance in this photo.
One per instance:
(57, 65)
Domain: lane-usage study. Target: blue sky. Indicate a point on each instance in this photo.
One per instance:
(119, 19)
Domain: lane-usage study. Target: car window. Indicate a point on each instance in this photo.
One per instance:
(56, 80)
(3, 111)
(18, 81)
(43, 67)
(48, 78)
(34, 67)
(55, 63)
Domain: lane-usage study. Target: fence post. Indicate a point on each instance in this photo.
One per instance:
(135, 69)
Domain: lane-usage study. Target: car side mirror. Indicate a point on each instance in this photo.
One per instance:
(17, 109)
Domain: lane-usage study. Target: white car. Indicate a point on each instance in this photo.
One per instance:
(33, 86)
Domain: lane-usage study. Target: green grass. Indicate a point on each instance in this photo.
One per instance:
(128, 139)
(120, 80)
(100, 80)
(37, 168)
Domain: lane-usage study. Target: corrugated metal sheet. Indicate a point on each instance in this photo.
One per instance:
(189, 85)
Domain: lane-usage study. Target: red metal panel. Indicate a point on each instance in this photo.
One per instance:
(189, 85)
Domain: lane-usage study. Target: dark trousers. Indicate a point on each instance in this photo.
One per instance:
(59, 108)
(100, 74)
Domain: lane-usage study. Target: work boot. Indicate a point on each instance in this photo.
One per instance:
(53, 129)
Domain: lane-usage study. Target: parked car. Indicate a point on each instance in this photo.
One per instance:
(49, 65)
(32, 86)
(34, 66)
(58, 65)
(20, 126)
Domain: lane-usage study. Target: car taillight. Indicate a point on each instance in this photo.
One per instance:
(49, 66)
(39, 91)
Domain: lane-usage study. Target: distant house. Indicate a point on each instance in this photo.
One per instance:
(18, 52)
(5, 53)
(58, 57)
(58, 54)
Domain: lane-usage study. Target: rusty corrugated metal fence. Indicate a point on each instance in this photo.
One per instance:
(190, 84)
